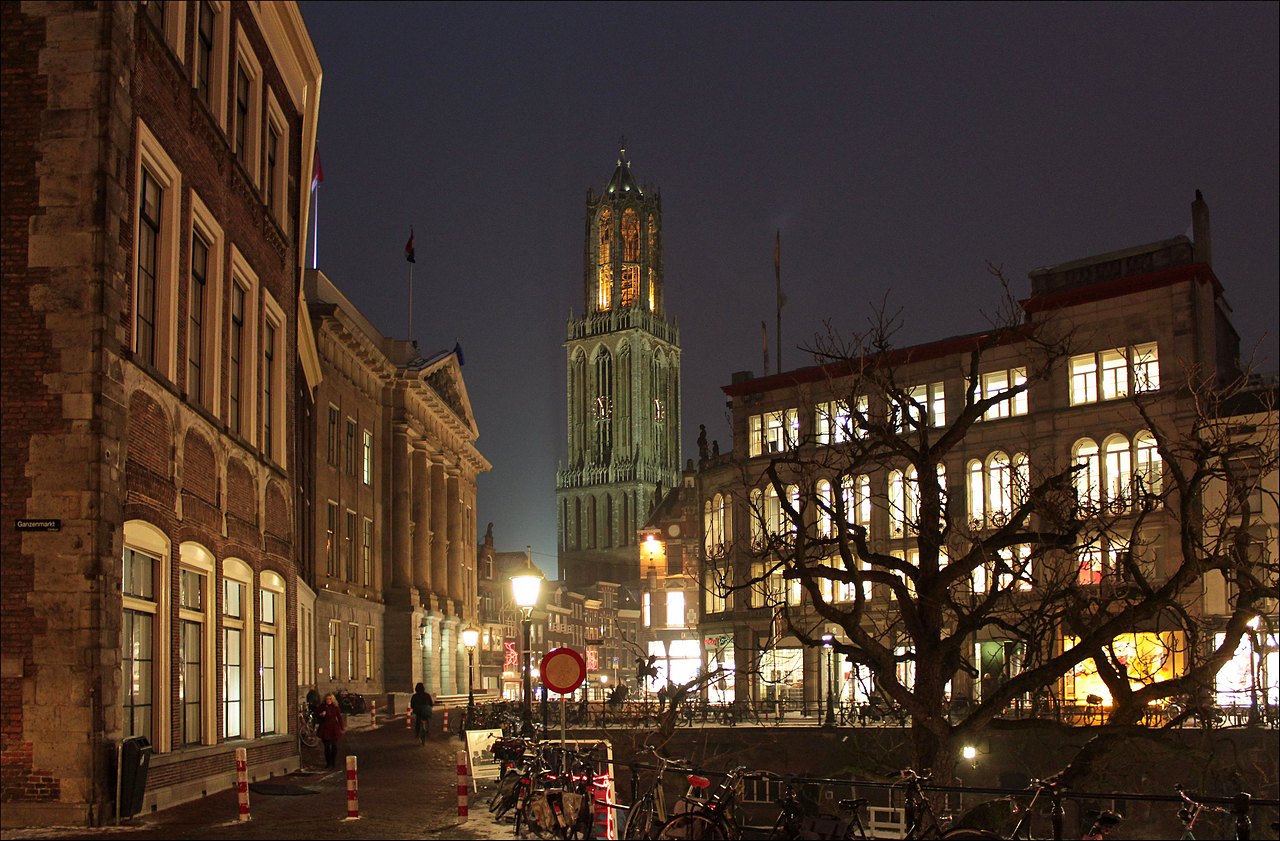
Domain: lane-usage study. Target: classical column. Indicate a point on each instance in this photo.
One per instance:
(430, 658)
(421, 522)
(456, 542)
(439, 530)
(401, 483)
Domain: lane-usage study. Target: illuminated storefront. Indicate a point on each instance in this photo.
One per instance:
(1147, 657)
(1252, 676)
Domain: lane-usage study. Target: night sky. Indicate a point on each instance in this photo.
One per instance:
(898, 148)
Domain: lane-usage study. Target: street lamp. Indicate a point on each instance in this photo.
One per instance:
(526, 586)
(470, 638)
(828, 644)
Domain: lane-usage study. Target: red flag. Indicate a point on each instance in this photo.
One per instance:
(408, 248)
(317, 171)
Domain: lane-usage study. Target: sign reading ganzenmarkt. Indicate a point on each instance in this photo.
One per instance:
(37, 525)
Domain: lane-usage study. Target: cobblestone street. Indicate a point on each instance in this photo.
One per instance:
(406, 791)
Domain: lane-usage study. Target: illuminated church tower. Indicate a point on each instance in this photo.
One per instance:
(623, 380)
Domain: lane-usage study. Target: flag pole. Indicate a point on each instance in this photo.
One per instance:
(410, 333)
(777, 277)
(315, 226)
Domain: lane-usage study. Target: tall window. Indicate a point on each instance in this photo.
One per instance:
(241, 128)
(233, 677)
(603, 409)
(368, 653)
(366, 460)
(366, 553)
(1147, 467)
(925, 406)
(604, 258)
(150, 197)
(268, 388)
(196, 316)
(350, 543)
(1146, 368)
(333, 436)
(269, 168)
(352, 647)
(331, 541)
(1118, 471)
(269, 633)
(235, 375)
(1084, 379)
(675, 608)
(335, 635)
(996, 487)
(204, 52)
(350, 444)
(835, 423)
(191, 598)
(1088, 476)
(138, 663)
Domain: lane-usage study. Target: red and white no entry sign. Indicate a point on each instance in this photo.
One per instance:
(563, 670)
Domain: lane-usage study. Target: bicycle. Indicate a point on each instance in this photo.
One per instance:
(307, 725)
(1191, 808)
(649, 811)
(1103, 823)
(792, 822)
(713, 818)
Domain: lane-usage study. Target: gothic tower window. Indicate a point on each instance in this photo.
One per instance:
(604, 407)
(630, 290)
(652, 226)
(604, 260)
(630, 236)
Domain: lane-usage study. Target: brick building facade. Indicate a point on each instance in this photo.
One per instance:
(155, 171)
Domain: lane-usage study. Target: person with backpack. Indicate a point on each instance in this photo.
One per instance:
(421, 704)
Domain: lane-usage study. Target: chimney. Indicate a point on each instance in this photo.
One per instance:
(1203, 251)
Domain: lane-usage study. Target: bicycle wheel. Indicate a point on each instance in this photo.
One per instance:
(689, 826)
(640, 820)
(307, 733)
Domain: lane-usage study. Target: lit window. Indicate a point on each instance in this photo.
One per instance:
(1148, 467)
(1116, 467)
(996, 383)
(774, 432)
(1146, 368)
(835, 423)
(271, 643)
(1115, 374)
(138, 655)
(1088, 475)
(331, 541)
(924, 405)
(1084, 379)
(675, 608)
(236, 675)
(349, 540)
(191, 603)
(366, 553)
(367, 458)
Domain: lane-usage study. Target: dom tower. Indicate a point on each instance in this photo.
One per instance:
(623, 381)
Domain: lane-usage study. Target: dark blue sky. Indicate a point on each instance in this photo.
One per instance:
(897, 147)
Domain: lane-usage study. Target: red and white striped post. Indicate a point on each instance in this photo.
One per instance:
(373, 713)
(464, 785)
(353, 790)
(408, 720)
(445, 726)
(242, 782)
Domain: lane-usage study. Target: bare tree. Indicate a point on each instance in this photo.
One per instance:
(1032, 549)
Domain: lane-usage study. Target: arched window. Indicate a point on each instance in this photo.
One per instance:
(856, 491)
(721, 509)
(237, 649)
(1118, 471)
(897, 504)
(197, 687)
(976, 475)
(999, 488)
(604, 260)
(603, 407)
(1148, 468)
(1088, 478)
(630, 236)
(826, 509)
(144, 633)
(273, 643)
(708, 530)
(758, 518)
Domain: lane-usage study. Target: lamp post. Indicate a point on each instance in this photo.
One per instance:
(828, 645)
(526, 586)
(470, 638)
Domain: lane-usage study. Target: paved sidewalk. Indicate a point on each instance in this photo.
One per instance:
(406, 790)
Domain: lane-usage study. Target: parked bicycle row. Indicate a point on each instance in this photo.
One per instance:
(551, 791)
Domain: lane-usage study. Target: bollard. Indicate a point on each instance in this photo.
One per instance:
(242, 782)
(353, 790)
(464, 786)
(408, 720)
(444, 728)
(373, 713)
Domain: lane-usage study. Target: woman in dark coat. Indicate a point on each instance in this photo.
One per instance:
(329, 728)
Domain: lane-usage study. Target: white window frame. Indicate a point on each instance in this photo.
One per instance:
(245, 57)
(217, 104)
(205, 223)
(236, 571)
(244, 277)
(199, 560)
(276, 674)
(273, 315)
(143, 537)
(275, 195)
(152, 155)
(997, 382)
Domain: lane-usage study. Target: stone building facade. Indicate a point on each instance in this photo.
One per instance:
(155, 170)
(623, 388)
(392, 514)
(1139, 321)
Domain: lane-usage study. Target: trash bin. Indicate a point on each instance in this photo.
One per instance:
(135, 759)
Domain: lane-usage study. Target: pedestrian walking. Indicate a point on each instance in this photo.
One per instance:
(330, 729)
(421, 705)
